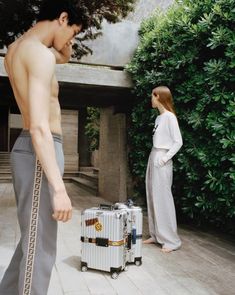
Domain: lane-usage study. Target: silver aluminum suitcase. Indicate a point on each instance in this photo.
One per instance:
(103, 240)
(134, 229)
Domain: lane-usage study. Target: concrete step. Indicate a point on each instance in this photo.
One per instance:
(85, 184)
(96, 170)
(6, 179)
(86, 169)
(4, 154)
(89, 176)
(90, 169)
(87, 179)
(4, 158)
(71, 174)
(5, 172)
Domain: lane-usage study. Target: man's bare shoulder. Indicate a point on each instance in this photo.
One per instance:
(35, 54)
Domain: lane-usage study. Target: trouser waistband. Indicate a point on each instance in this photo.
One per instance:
(159, 150)
(26, 133)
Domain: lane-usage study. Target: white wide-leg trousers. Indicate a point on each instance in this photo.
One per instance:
(161, 208)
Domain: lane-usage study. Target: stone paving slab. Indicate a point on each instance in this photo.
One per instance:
(205, 265)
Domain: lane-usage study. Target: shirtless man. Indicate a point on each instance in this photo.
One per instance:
(37, 156)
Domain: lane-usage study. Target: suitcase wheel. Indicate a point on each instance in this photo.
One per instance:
(84, 268)
(114, 275)
(138, 262)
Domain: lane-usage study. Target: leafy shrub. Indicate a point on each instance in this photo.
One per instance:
(191, 49)
(92, 127)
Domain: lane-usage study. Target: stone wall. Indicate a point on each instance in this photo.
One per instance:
(119, 41)
(144, 8)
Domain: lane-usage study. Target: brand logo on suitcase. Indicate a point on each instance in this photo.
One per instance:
(98, 226)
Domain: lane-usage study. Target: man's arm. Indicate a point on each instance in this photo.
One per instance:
(40, 67)
(64, 55)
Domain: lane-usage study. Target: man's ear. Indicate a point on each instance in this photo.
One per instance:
(63, 18)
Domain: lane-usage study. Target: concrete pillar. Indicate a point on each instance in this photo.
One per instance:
(83, 144)
(69, 122)
(112, 156)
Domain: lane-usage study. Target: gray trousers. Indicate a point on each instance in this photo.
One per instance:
(161, 208)
(30, 269)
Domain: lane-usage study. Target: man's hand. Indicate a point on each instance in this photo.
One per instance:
(62, 206)
(67, 50)
(63, 56)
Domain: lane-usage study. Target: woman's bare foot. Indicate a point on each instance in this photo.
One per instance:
(149, 241)
(166, 250)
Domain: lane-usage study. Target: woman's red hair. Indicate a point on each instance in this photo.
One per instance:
(165, 98)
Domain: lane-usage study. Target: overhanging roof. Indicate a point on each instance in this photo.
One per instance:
(92, 75)
(83, 85)
(87, 75)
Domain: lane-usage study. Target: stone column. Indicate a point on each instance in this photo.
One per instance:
(112, 156)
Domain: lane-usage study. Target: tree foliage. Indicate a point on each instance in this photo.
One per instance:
(16, 16)
(191, 49)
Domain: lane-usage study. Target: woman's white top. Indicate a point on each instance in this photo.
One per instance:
(166, 134)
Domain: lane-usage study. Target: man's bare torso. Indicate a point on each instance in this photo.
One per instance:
(16, 67)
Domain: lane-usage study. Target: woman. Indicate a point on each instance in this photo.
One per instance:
(167, 141)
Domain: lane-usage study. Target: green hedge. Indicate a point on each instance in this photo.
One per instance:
(191, 49)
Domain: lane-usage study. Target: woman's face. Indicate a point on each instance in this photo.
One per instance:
(155, 102)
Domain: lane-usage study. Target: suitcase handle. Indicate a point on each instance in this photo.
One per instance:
(129, 203)
(106, 207)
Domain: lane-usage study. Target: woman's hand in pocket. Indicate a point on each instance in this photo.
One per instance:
(161, 161)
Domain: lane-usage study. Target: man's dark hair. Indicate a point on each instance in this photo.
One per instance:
(52, 9)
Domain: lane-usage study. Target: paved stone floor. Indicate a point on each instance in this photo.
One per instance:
(204, 266)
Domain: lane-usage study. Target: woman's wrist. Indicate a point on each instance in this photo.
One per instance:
(165, 158)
